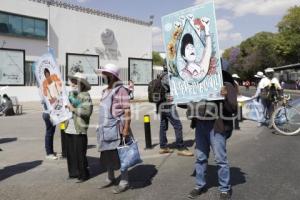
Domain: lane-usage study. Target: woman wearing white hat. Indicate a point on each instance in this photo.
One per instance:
(114, 123)
(76, 132)
(262, 83)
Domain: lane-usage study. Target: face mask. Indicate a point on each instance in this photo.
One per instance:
(106, 80)
(74, 89)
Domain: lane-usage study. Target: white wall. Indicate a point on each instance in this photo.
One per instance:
(74, 32)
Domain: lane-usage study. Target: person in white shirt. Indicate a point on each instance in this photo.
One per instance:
(270, 75)
(262, 83)
(265, 85)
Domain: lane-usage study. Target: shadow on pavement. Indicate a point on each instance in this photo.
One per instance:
(7, 140)
(95, 166)
(141, 176)
(187, 143)
(237, 177)
(13, 170)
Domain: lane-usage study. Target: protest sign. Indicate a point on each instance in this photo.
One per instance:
(52, 88)
(193, 59)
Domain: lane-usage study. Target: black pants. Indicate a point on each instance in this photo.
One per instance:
(76, 146)
(63, 144)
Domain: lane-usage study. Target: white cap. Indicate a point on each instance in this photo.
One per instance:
(269, 70)
(235, 76)
(259, 74)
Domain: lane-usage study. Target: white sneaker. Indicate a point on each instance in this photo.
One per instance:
(51, 157)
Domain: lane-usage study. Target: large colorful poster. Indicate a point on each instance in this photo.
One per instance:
(52, 88)
(193, 59)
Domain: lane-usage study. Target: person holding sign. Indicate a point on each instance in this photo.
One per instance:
(76, 139)
(213, 127)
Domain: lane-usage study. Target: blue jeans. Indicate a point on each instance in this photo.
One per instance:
(206, 138)
(50, 130)
(173, 117)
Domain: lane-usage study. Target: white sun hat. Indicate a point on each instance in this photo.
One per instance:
(109, 68)
(80, 77)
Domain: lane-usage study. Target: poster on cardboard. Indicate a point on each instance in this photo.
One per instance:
(192, 52)
(52, 89)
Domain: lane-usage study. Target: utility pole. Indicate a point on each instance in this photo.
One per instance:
(49, 3)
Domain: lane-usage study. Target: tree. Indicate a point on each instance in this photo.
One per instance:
(266, 49)
(157, 59)
(288, 38)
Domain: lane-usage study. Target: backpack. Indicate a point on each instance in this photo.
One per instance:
(270, 93)
(156, 90)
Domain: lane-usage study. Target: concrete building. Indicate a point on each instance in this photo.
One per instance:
(33, 25)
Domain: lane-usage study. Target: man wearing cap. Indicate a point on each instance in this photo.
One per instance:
(114, 124)
(76, 133)
(265, 83)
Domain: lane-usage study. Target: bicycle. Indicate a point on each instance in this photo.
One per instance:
(286, 118)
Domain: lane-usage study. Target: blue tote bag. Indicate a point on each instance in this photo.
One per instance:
(129, 154)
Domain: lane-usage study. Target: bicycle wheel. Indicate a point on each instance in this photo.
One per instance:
(286, 120)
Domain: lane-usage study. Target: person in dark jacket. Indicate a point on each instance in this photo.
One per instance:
(168, 113)
(7, 106)
(212, 130)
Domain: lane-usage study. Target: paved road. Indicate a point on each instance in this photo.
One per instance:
(294, 94)
(263, 165)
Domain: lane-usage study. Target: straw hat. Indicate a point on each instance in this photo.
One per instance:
(80, 77)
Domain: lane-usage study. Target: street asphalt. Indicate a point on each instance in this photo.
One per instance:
(264, 165)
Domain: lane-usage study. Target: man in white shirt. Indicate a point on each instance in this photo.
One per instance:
(270, 74)
(263, 82)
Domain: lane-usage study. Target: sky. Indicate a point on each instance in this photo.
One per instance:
(237, 20)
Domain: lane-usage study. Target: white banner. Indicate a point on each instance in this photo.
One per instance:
(252, 109)
(52, 88)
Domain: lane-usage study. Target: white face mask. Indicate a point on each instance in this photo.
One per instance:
(74, 88)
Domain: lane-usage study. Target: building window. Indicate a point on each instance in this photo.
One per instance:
(29, 74)
(22, 26)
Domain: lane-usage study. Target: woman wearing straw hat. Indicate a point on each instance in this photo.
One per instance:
(114, 123)
(76, 132)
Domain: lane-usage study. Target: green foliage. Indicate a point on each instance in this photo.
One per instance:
(157, 59)
(266, 49)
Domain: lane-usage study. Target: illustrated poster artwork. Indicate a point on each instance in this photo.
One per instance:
(140, 71)
(11, 67)
(86, 64)
(52, 88)
(193, 59)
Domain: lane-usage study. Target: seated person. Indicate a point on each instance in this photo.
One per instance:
(7, 106)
